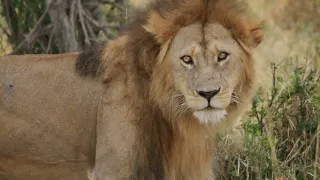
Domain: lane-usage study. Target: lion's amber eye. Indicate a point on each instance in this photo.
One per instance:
(222, 56)
(187, 60)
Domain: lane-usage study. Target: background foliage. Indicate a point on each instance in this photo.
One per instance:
(279, 138)
(57, 26)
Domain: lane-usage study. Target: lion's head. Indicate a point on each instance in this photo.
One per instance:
(204, 66)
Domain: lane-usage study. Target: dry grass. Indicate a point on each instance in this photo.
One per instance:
(280, 135)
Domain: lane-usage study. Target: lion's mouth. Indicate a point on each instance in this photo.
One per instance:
(210, 115)
(210, 108)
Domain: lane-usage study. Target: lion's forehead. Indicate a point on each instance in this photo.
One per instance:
(191, 34)
(210, 31)
(215, 31)
(218, 38)
(198, 38)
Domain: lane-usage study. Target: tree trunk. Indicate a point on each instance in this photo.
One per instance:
(63, 25)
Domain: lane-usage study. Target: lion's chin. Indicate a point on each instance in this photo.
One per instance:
(210, 116)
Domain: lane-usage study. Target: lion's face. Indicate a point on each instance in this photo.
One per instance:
(207, 67)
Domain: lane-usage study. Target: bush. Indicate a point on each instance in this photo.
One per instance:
(281, 134)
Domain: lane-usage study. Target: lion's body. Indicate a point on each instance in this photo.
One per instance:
(157, 95)
(47, 117)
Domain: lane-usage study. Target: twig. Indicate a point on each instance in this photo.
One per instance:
(97, 24)
(102, 27)
(42, 31)
(316, 162)
(50, 41)
(73, 17)
(273, 93)
(41, 44)
(271, 140)
(72, 12)
(290, 156)
(91, 33)
(87, 41)
(117, 5)
(274, 74)
(8, 14)
(5, 31)
(126, 16)
(107, 34)
(1, 45)
(32, 32)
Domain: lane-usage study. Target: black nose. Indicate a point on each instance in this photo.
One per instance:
(208, 94)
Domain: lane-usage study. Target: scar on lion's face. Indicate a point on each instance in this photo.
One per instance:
(207, 64)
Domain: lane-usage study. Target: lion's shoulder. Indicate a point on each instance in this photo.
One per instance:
(88, 63)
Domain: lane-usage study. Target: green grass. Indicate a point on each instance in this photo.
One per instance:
(281, 133)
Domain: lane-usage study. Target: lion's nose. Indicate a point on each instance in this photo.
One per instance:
(208, 94)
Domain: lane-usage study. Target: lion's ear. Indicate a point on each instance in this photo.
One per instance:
(252, 39)
(159, 27)
(256, 36)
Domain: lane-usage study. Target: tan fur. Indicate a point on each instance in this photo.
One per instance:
(146, 128)
(47, 116)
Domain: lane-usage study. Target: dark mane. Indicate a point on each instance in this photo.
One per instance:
(88, 63)
(150, 28)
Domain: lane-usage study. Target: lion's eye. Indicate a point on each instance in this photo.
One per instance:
(187, 60)
(222, 56)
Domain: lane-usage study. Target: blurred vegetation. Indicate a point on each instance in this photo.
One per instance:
(279, 138)
(57, 26)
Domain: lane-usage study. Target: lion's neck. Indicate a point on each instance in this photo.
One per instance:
(190, 156)
(183, 148)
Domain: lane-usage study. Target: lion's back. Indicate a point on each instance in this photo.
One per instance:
(48, 113)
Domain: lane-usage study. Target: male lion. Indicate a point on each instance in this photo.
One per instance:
(151, 101)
